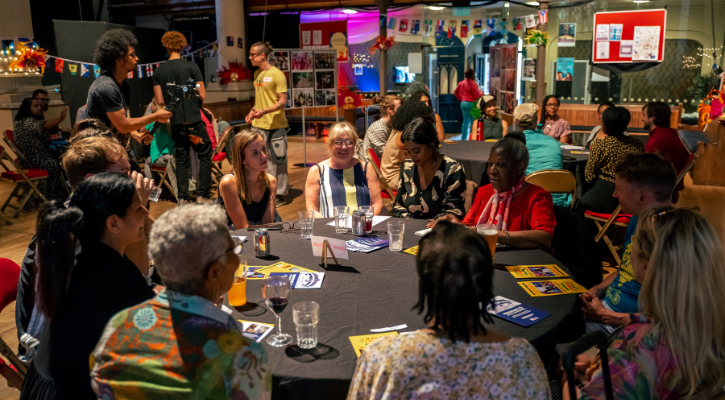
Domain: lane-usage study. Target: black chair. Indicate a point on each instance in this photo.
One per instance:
(574, 246)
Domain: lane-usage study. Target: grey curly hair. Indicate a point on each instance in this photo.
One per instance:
(184, 241)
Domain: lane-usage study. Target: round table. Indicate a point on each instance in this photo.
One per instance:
(369, 291)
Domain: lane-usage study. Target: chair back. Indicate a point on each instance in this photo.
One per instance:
(688, 166)
(9, 275)
(554, 181)
(223, 141)
(374, 157)
(384, 186)
(9, 138)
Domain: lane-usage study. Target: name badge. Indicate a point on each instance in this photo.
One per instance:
(267, 79)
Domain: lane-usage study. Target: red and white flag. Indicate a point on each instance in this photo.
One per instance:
(543, 16)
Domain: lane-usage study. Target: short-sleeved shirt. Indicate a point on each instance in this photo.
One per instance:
(391, 160)
(556, 128)
(666, 142)
(623, 293)
(443, 195)
(606, 153)
(376, 137)
(106, 95)
(178, 72)
(267, 87)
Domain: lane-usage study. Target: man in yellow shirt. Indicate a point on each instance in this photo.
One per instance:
(270, 90)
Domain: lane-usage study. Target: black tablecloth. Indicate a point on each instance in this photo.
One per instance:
(370, 291)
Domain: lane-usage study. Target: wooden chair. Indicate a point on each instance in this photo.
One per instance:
(554, 181)
(387, 193)
(219, 155)
(15, 372)
(25, 181)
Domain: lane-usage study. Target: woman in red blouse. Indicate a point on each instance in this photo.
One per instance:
(467, 92)
(523, 212)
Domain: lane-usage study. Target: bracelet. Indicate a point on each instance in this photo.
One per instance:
(508, 237)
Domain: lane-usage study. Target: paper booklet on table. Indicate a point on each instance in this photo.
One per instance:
(303, 280)
(362, 341)
(411, 250)
(255, 330)
(552, 288)
(515, 312)
(257, 272)
(536, 271)
(366, 245)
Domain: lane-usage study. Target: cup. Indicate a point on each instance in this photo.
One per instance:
(490, 233)
(342, 213)
(369, 213)
(306, 316)
(306, 221)
(237, 295)
(396, 229)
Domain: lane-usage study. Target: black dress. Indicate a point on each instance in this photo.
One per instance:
(254, 210)
(102, 283)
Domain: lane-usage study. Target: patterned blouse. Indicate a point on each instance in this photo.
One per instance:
(556, 128)
(443, 195)
(33, 142)
(421, 366)
(178, 346)
(641, 366)
(606, 153)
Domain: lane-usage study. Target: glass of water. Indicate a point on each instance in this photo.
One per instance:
(306, 221)
(369, 213)
(306, 316)
(396, 229)
(342, 213)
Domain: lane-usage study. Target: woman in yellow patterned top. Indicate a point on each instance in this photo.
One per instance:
(604, 156)
(456, 356)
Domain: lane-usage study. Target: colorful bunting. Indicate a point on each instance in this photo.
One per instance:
(403, 25)
(391, 23)
(129, 75)
(517, 24)
(464, 29)
(477, 27)
(415, 27)
(427, 27)
(73, 68)
(439, 28)
(452, 28)
(58, 65)
(96, 71)
(531, 21)
(139, 71)
(84, 70)
(383, 20)
(8, 47)
(543, 16)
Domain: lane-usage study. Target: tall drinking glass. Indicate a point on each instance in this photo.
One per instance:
(396, 229)
(306, 316)
(306, 221)
(237, 295)
(369, 213)
(276, 291)
(490, 233)
(342, 213)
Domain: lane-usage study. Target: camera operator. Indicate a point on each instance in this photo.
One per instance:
(109, 93)
(186, 121)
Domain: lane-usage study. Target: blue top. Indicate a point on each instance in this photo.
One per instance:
(545, 153)
(162, 143)
(623, 293)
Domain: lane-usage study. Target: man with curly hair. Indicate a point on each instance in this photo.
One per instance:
(108, 97)
(186, 121)
(270, 90)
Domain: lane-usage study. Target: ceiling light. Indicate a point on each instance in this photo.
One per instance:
(349, 11)
(436, 8)
(507, 4)
(640, 1)
(533, 3)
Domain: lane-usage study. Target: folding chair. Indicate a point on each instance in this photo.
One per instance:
(387, 193)
(554, 181)
(15, 372)
(163, 181)
(25, 181)
(606, 221)
(219, 155)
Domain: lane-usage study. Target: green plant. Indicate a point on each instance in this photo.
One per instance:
(701, 86)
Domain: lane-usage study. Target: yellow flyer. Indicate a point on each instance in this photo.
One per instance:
(362, 341)
(256, 272)
(552, 288)
(412, 250)
(536, 271)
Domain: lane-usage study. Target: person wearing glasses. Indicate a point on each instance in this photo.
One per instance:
(50, 124)
(342, 180)
(270, 98)
(182, 344)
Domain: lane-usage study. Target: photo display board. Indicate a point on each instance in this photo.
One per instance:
(311, 76)
(330, 35)
(502, 76)
(629, 36)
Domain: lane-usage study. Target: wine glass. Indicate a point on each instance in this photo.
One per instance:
(275, 291)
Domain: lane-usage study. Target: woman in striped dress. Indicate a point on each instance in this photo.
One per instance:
(342, 180)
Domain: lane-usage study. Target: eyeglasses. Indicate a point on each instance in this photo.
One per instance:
(237, 249)
(252, 55)
(339, 143)
(289, 227)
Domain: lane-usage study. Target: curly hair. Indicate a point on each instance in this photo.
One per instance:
(173, 40)
(111, 46)
(409, 111)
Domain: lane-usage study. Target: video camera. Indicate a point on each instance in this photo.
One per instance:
(189, 90)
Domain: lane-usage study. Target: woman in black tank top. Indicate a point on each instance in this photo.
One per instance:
(245, 194)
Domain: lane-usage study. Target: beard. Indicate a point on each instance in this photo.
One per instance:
(647, 125)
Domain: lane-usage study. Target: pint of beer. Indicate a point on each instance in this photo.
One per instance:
(490, 233)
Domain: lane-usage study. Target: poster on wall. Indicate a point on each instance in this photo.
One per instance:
(311, 77)
(324, 60)
(646, 43)
(302, 61)
(302, 97)
(357, 69)
(280, 60)
(338, 41)
(502, 76)
(629, 36)
(331, 35)
(529, 72)
(567, 35)
(625, 48)
(615, 32)
(565, 69)
(324, 79)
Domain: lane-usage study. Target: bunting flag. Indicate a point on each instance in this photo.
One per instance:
(96, 71)
(149, 70)
(543, 16)
(517, 24)
(531, 21)
(139, 71)
(84, 70)
(452, 28)
(477, 27)
(8, 47)
(391, 23)
(439, 28)
(464, 29)
(403, 25)
(73, 68)
(58, 65)
(129, 75)
(427, 27)
(415, 28)
(383, 20)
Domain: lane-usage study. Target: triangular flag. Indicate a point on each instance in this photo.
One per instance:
(383, 21)
(477, 27)
(73, 68)
(129, 75)
(58, 65)
(452, 28)
(517, 24)
(391, 23)
(403, 25)
(491, 23)
(84, 70)
(439, 28)
(96, 71)
(415, 28)
(543, 16)
(464, 29)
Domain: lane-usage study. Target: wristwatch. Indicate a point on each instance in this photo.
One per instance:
(264, 112)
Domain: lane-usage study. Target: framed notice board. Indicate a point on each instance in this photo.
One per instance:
(629, 36)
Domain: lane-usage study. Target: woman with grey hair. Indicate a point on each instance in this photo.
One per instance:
(180, 343)
(523, 212)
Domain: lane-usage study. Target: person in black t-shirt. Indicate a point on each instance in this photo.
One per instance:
(188, 129)
(109, 93)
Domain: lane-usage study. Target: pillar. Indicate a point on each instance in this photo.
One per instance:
(541, 60)
(230, 22)
(383, 65)
(16, 20)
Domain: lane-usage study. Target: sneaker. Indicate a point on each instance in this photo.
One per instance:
(279, 200)
(204, 200)
(183, 202)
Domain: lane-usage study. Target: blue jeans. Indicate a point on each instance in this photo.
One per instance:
(467, 119)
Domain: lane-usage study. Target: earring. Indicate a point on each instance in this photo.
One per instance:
(216, 295)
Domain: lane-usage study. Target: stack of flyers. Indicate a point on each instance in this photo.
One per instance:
(552, 288)
(516, 312)
(362, 341)
(303, 280)
(411, 250)
(255, 330)
(536, 271)
(366, 245)
(255, 272)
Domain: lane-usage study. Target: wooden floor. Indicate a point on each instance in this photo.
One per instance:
(14, 239)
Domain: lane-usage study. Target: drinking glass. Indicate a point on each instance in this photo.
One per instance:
(307, 220)
(396, 229)
(237, 295)
(490, 233)
(276, 291)
(342, 213)
(306, 316)
(369, 212)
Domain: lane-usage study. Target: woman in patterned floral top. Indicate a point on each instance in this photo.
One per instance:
(676, 349)
(604, 156)
(456, 356)
(431, 184)
(180, 344)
